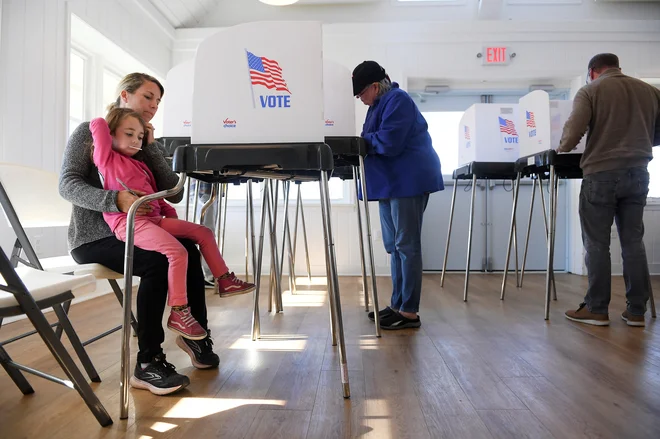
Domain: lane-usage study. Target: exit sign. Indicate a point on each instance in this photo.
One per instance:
(495, 56)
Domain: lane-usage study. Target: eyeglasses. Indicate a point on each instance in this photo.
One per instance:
(363, 91)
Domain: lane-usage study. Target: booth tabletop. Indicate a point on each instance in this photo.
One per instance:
(253, 157)
(486, 171)
(566, 165)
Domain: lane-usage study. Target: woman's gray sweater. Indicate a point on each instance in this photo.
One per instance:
(81, 185)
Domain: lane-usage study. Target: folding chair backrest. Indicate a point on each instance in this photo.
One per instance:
(33, 194)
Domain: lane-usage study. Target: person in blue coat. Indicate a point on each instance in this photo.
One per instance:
(402, 169)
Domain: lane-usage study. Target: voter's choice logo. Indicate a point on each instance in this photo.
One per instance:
(229, 123)
(187, 123)
(267, 73)
(329, 123)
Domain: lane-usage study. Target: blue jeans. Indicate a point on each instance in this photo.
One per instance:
(615, 196)
(401, 222)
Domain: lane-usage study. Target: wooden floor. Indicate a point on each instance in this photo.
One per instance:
(482, 369)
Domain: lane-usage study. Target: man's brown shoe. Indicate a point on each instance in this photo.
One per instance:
(632, 320)
(583, 315)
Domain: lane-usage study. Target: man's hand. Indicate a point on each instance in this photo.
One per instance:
(125, 200)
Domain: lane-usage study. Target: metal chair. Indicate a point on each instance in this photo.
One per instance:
(30, 199)
(28, 291)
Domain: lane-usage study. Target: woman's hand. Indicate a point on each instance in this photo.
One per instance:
(150, 133)
(125, 200)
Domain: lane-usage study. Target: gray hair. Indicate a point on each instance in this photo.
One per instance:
(384, 86)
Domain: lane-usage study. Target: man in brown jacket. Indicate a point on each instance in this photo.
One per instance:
(622, 116)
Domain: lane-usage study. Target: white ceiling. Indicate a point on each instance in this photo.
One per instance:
(185, 13)
(191, 13)
(217, 13)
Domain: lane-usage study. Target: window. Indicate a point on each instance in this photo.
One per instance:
(77, 90)
(443, 128)
(110, 83)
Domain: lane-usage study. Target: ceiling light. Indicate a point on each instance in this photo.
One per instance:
(279, 2)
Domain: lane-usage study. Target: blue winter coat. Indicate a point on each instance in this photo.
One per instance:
(401, 161)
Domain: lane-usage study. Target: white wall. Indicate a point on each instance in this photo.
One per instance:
(34, 61)
(444, 51)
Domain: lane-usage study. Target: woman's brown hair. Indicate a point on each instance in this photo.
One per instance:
(130, 84)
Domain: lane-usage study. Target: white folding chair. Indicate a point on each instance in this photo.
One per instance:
(29, 198)
(28, 291)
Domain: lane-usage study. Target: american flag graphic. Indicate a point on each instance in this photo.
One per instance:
(506, 126)
(467, 133)
(529, 115)
(266, 72)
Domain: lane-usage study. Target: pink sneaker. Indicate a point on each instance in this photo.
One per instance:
(233, 286)
(184, 324)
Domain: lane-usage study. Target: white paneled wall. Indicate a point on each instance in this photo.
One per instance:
(34, 59)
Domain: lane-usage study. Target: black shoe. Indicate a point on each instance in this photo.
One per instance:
(209, 285)
(200, 351)
(159, 377)
(397, 321)
(382, 313)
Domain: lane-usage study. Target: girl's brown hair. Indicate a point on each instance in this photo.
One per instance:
(130, 84)
(114, 118)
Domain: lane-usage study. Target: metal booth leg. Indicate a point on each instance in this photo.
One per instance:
(286, 236)
(224, 216)
(343, 365)
(545, 224)
(247, 233)
(257, 257)
(529, 228)
(329, 276)
(514, 209)
(551, 240)
(469, 249)
(187, 215)
(515, 245)
(451, 220)
(304, 229)
(370, 244)
(195, 200)
(363, 262)
(275, 287)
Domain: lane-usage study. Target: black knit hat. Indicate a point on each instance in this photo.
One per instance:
(365, 74)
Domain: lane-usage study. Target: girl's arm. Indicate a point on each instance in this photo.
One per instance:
(102, 142)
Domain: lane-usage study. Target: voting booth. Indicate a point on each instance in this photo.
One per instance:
(339, 103)
(177, 118)
(489, 133)
(259, 83)
(541, 121)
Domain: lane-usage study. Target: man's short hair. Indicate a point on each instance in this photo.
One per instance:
(603, 61)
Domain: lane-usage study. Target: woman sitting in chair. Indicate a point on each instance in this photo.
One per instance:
(92, 241)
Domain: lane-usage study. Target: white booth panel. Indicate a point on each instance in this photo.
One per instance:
(488, 133)
(542, 122)
(259, 83)
(339, 103)
(177, 118)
